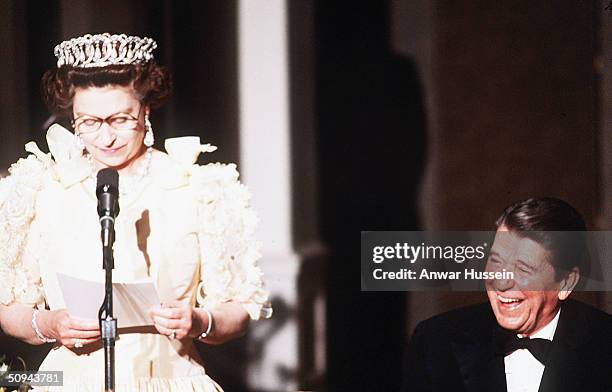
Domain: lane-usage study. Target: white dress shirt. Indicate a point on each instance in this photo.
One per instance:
(523, 371)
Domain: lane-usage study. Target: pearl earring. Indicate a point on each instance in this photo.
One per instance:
(149, 138)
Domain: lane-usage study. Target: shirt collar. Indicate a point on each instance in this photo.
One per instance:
(548, 332)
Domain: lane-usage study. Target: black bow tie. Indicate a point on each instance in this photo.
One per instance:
(537, 347)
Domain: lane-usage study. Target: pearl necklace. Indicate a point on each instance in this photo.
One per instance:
(127, 184)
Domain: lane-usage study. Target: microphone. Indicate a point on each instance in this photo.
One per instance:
(107, 191)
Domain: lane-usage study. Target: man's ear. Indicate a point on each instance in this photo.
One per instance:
(567, 284)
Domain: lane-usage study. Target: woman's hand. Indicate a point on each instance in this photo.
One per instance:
(176, 320)
(69, 331)
(179, 320)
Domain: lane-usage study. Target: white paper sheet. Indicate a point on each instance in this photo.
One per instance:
(131, 301)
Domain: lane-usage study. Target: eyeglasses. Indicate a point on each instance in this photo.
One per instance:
(120, 122)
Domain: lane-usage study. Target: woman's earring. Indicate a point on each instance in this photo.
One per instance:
(149, 138)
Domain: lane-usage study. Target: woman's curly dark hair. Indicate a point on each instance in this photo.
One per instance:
(151, 84)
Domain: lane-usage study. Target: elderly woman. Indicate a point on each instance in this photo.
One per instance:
(186, 227)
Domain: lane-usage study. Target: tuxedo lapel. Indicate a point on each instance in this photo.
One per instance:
(560, 371)
(495, 375)
(563, 371)
(481, 369)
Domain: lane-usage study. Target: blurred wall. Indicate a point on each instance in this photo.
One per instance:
(604, 105)
(371, 145)
(16, 87)
(512, 90)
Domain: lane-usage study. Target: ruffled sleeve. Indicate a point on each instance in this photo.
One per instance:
(19, 274)
(225, 226)
(228, 250)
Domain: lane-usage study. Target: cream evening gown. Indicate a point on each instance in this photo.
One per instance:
(187, 227)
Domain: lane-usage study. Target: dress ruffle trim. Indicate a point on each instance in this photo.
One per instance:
(228, 250)
(20, 275)
(18, 193)
(201, 383)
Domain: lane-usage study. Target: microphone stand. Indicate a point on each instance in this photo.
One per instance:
(108, 324)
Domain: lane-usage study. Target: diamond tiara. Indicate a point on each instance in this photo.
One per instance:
(100, 50)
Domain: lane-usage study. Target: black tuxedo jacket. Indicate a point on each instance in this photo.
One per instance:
(456, 352)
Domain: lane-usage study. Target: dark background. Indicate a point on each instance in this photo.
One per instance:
(422, 115)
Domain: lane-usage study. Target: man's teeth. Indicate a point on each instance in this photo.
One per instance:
(508, 300)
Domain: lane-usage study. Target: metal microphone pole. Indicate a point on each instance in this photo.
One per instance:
(107, 191)
(108, 324)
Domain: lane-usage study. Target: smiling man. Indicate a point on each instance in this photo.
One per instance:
(530, 337)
